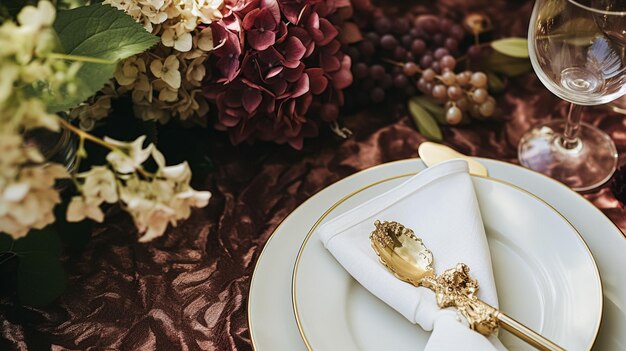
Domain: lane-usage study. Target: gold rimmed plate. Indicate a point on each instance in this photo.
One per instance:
(545, 273)
(270, 310)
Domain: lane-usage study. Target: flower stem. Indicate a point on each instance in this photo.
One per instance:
(80, 154)
(87, 136)
(56, 55)
(84, 135)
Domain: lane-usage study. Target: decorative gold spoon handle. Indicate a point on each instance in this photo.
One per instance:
(456, 288)
(406, 256)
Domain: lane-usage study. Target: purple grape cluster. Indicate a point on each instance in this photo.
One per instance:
(464, 92)
(401, 56)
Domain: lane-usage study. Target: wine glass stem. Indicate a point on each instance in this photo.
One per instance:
(572, 126)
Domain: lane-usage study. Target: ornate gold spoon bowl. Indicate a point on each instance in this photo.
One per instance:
(406, 256)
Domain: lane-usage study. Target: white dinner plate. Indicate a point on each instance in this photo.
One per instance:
(270, 315)
(544, 272)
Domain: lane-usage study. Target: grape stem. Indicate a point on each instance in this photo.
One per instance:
(400, 64)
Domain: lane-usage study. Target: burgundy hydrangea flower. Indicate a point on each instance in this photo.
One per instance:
(228, 52)
(262, 25)
(278, 62)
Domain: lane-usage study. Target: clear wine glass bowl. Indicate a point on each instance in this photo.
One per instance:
(577, 49)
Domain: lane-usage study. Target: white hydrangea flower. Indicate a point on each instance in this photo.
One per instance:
(34, 18)
(196, 71)
(166, 93)
(27, 193)
(100, 185)
(207, 10)
(165, 199)
(132, 156)
(205, 39)
(167, 70)
(89, 114)
(130, 71)
(185, 37)
(192, 103)
(32, 113)
(142, 92)
(81, 208)
(177, 37)
(24, 49)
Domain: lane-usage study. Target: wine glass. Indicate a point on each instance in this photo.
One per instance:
(577, 49)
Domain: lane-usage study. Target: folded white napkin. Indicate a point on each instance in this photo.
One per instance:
(440, 206)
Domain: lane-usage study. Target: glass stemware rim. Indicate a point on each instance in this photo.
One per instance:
(602, 12)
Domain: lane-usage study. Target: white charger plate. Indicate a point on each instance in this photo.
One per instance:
(270, 314)
(543, 269)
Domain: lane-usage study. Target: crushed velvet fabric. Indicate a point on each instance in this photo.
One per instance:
(188, 290)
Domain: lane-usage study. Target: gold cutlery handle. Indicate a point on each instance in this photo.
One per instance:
(455, 288)
(409, 260)
(528, 335)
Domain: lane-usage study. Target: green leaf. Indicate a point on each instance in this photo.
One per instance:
(496, 85)
(506, 65)
(426, 124)
(432, 107)
(103, 32)
(514, 47)
(40, 276)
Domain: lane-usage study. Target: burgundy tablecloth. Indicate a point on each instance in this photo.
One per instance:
(188, 290)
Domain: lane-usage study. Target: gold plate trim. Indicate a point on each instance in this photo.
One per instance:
(288, 216)
(317, 223)
(505, 164)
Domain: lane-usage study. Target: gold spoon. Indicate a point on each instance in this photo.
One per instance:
(433, 153)
(406, 256)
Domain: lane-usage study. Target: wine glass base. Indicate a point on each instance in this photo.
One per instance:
(586, 166)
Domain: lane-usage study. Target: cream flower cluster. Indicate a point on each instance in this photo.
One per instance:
(26, 66)
(27, 193)
(95, 108)
(153, 200)
(27, 183)
(166, 81)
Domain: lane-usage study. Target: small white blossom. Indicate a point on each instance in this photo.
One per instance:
(100, 184)
(132, 156)
(34, 18)
(130, 70)
(196, 71)
(166, 93)
(142, 92)
(168, 71)
(207, 10)
(153, 14)
(177, 37)
(205, 39)
(79, 209)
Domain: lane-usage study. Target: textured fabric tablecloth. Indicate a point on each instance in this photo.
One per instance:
(188, 290)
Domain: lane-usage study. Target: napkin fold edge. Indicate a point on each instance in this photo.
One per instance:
(337, 225)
